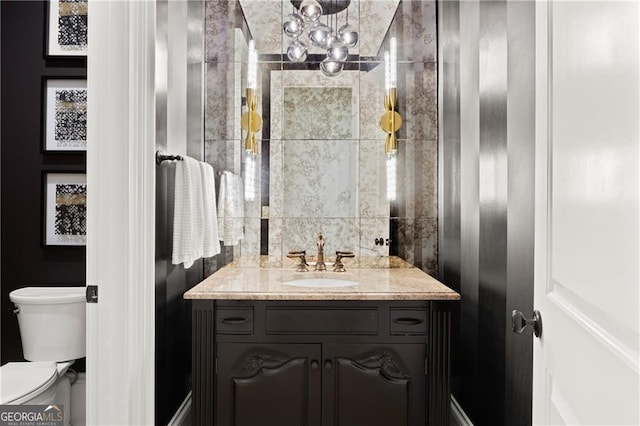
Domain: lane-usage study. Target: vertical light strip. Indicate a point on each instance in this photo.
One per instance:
(393, 68)
(391, 176)
(250, 177)
(387, 73)
(252, 66)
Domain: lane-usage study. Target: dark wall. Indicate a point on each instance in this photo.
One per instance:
(173, 313)
(25, 260)
(487, 202)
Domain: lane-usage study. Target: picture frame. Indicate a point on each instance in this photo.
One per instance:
(65, 208)
(64, 114)
(66, 28)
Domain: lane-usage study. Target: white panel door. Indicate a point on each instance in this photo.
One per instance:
(587, 216)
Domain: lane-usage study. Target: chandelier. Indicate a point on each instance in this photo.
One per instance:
(307, 17)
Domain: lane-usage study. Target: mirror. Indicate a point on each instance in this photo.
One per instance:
(321, 159)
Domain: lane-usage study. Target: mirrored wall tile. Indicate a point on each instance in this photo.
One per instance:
(419, 104)
(375, 19)
(403, 234)
(262, 16)
(319, 179)
(426, 177)
(275, 257)
(372, 102)
(250, 244)
(416, 30)
(302, 234)
(276, 103)
(330, 107)
(276, 180)
(224, 100)
(426, 240)
(220, 26)
(406, 181)
(374, 235)
(300, 116)
(372, 179)
(216, 100)
(417, 241)
(318, 113)
(223, 155)
(252, 208)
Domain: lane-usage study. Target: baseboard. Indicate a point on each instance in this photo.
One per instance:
(458, 416)
(181, 416)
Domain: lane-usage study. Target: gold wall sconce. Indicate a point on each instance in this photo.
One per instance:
(251, 121)
(391, 120)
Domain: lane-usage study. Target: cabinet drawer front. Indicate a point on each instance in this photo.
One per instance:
(407, 321)
(234, 320)
(322, 321)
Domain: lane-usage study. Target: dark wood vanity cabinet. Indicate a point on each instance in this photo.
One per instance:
(260, 363)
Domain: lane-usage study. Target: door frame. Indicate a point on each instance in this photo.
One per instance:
(121, 212)
(541, 181)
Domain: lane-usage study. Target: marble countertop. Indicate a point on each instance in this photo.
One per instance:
(243, 283)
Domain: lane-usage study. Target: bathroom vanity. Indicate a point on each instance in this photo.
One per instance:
(363, 347)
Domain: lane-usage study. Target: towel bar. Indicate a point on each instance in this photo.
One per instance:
(160, 157)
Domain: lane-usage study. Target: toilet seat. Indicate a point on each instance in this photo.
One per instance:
(22, 381)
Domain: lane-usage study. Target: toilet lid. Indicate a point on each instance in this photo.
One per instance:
(20, 379)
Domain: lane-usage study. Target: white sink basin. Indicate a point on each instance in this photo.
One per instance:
(321, 283)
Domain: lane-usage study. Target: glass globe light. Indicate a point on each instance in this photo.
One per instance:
(348, 35)
(337, 51)
(319, 34)
(293, 25)
(310, 10)
(297, 51)
(331, 68)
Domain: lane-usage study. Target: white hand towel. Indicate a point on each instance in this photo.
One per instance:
(188, 216)
(211, 240)
(230, 209)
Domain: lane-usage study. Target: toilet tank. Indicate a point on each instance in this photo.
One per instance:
(52, 322)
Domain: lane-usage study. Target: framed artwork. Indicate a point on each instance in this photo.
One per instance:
(67, 28)
(65, 209)
(65, 115)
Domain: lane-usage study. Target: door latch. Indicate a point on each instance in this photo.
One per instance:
(92, 294)
(519, 322)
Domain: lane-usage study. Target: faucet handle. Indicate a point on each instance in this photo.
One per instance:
(302, 265)
(338, 266)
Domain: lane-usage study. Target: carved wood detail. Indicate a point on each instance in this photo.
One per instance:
(384, 362)
(254, 363)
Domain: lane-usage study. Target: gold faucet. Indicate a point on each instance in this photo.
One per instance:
(320, 266)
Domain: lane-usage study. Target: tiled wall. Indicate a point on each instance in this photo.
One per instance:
(316, 181)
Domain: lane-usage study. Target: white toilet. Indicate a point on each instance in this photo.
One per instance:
(52, 323)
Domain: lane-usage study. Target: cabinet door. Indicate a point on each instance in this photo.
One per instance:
(368, 385)
(268, 385)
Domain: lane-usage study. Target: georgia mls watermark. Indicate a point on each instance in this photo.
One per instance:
(31, 415)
